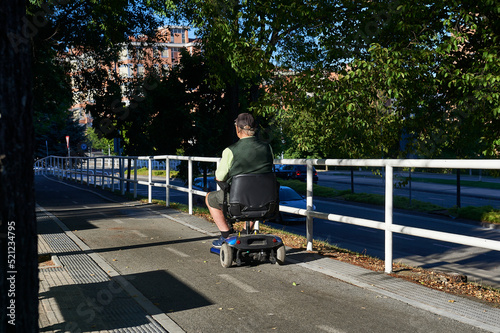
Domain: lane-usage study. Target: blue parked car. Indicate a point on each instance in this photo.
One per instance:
(198, 185)
(289, 197)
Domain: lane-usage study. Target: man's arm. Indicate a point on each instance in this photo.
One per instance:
(224, 165)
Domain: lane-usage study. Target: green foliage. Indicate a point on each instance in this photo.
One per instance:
(426, 74)
(52, 96)
(97, 142)
(159, 173)
(492, 216)
(484, 213)
(343, 79)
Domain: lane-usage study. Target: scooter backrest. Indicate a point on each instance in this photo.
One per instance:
(253, 197)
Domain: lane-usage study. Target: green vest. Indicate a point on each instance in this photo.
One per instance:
(250, 156)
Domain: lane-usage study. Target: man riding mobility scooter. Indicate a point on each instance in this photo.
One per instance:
(252, 197)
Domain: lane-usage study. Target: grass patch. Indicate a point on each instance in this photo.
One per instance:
(483, 214)
(454, 182)
(158, 173)
(320, 191)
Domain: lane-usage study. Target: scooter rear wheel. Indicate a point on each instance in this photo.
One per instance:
(280, 255)
(226, 255)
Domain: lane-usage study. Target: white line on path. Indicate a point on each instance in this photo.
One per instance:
(137, 232)
(238, 283)
(329, 329)
(177, 252)
(118, 221)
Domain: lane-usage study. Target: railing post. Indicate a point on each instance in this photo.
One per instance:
(95, 172)
(102, 172)
(67, 168)
(309, 202)
(135, 178)
(167, 182)
(150, 179)
(81, 170)
(190, 186)
(112, 174)
(389, 189)
(88, 170)
(122, 174)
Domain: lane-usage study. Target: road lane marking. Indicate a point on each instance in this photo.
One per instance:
(177, 252)
(118, 221)
(368, 230)
(329, 329)
(445, 246)
(137, 232)
(238, 283)
(403, 237)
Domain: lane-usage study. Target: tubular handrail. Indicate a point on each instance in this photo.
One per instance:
(63, 168)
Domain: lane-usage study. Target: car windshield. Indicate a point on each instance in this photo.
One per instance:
(287, 194)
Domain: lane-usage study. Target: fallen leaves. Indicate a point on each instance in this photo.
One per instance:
(455, 284)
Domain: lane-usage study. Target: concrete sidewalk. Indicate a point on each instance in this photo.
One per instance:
(93, 297)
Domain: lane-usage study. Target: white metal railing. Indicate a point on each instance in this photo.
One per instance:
(62, 167)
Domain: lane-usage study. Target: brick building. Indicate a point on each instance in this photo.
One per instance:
(136, 59)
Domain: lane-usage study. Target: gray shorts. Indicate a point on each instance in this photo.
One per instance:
(215, 199)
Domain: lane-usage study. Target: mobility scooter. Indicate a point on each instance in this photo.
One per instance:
(251, 197)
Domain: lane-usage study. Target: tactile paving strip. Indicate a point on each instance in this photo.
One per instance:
(121, 310)
(453, 306)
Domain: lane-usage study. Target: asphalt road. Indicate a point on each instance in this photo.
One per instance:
(170, 264)
(444, 196)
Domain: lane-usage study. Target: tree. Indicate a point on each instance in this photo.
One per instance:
(428, 72)
(242, 42)
(89, 36)
(18, 231)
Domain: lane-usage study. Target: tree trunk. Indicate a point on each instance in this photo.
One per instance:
(18, 235)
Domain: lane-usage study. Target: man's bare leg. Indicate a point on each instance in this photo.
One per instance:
(218, 216)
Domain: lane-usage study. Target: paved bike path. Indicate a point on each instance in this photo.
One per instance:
(81, 291)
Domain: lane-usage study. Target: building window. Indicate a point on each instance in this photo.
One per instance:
(139, 54)
(125, 71)
(140, 70)
(175, 53)
(177, 31)
(164, 53)
(124, 54)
